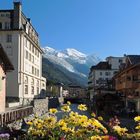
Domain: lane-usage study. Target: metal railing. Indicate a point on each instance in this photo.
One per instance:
(15, 114)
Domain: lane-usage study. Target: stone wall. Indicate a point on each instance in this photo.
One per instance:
(40, 106)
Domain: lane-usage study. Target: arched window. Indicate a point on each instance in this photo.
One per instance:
(26, 80)
(32, 82)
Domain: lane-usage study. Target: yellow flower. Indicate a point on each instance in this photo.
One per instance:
(29, 122)
(68, 103)
(93, 114)
(82, 107)
(53, 110)
(50, 120)
(73, 114)
(97, 123)
(66, 108)
(62, 123)
(80, 132)
(100, 118)
(137, 127)
(39, 126)
(64, 128)
(119, 130)
(96, 138)
(137, 119)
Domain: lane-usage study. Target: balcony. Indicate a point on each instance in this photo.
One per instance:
(13, 114)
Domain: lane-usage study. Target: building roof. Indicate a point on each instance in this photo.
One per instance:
(134, 59)
(5, 59)
(126, 69)
(102, 66)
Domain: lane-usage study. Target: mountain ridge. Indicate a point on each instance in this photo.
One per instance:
(70, 62)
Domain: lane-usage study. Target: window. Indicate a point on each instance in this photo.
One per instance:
(9, 38)
(32, 49)
(8, 15)
(32, 90)
(2, 15)
(26, 80)
(100, 73)
(37, 90)
(27, 68)
(135, 77)
(9, 50)
(26, 89)
(35, 51)
(128, 78)
(33, 70)
(32, 81)
(29, 57)
(0, 25)
(26, 55)
(43, 85)
(120, 60)
(32, 59)
(7, 25)
(106, 73)
(115, 72)
(37, 87)
(97, 81)
(37, 72)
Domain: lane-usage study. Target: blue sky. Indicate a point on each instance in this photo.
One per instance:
(102, 27)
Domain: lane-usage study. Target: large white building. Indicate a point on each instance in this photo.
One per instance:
(100, 76)
(21, 42)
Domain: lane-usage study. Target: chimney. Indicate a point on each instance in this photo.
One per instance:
(17, 15)
(29, 20)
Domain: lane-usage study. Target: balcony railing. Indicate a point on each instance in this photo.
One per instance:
(15, 114)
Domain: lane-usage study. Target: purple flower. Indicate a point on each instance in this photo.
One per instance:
(112, 138)
(6, 135)
(2, 135)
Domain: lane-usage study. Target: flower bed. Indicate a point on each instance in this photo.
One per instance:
(75, 126)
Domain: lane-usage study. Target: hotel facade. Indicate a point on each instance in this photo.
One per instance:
(21, 43)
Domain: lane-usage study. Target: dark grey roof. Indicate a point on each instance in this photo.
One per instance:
(101, 66)
(134, 59)
(3, 56)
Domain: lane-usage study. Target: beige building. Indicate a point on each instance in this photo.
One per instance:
(100, 76)
(21, 42)
(5, 66)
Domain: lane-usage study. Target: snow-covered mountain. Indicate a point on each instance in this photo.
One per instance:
(71, 59)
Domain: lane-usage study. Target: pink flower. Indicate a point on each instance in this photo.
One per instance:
(112, 138)
(62, 138)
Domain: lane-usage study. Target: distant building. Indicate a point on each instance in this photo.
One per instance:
(100, 76)
(55, 89)
(115, 62)
(76, 91)
(5, 66)
(21, 42)
(127, 82)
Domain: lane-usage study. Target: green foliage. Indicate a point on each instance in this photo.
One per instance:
(55, 73)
